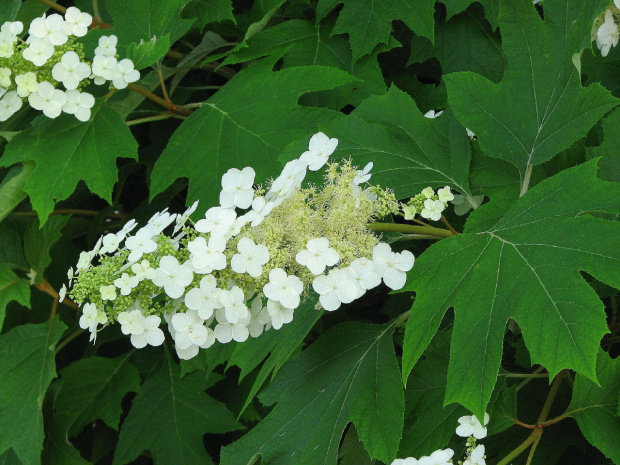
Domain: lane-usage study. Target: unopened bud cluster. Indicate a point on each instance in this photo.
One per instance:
(31, 70)
(248, 264)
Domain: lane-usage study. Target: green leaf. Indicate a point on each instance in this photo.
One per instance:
(169, 418)
(66, 151)
(12, 288)
(539, 108)
(595, 407)
(144, 19)
(526, 266)
(38, 242)
(57, 449)
(430, 425)
(12, 188)
(369, 22)
(466, 42)
(26, 368)
(12, 250)
(93, 388)
(236, 128)
(9, 10)
(609, 165)
(148, 52)
(352, 366)
(209, 11)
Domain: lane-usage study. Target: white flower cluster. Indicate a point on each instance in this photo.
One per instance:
(31, 70)
(607, 31)
(230, 275)
(469, 427)
(428, 204)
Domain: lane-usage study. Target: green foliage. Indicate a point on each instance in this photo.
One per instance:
(352, 366)
(12, 288)
(39, 240)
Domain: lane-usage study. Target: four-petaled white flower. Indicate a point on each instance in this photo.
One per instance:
(110, 243)
(160, 221)
(151, 335)
(407, 461)
(70, 70)
(206, 257)
(107, 46)
(444, 194)
(77, 22)
(462, 205)
(233, 303)
(363, 175)
(470, 426)
(607, 34)
(319, 150)
(92, 317)
(143, 270)
(334, 289)
(476, 457)
(9, 105)
(428, 192)
(38, 51)
(260, 209)
(237, 188)
(5, 77)
(409, 211)
(226, 331)
(131, 322)
(26, 84)
(204, 299)
(47, 99)
(124, 74)
(432, 209)
(392, 266)
(189, 329)
(283, 288)
(139, 244)
(364, 274)
(279, 314)
(217, 221)
(250, 259)
(108, 292)
(260, 318)
(172, 276)
(104, 67)
(439, 457)
(50, 28)
(317, 255)
(126, 283)
(78, 104)
(288, 182)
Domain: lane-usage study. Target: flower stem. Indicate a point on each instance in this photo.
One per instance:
(445, 221)
(155, 98)
(526, 180)
(148, 119)
(48, 289)
(410, 229)
(54, 5)
(68, 339)
(521, 447)
(529, 378)
(96, 11)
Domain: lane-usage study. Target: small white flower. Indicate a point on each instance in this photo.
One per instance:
(131, 322)
(189, 329)
(462, 206)
(51, 28)
(152, 334)
(237, 188)
(318, 255)
(283, 288)
(279, 315)
(12, 28)
(107, 46)
(470, 133)
(38, 51)
(126, 283)
(409, 211)
(363, 273)
(110, 243)
(79, 104)
(233, 303)
(7, 47)
(172, 276)
(607, 34)
(363, 175)
(260, 318)
(334, 289)
(431, 114)
(250, 259)
(204, 299)
(160, 221)
(77, 22)
(225, 331)
(62, 293)
(207, 257)
(428, 192)
(470, 426)
(439, 457)
(432, 209)
(217, 221)
(290, 179)
(140, 244)
(319, 150)
(187, 354)
(124, 74)
(476, 457)
(70, 70)
(70, 275)
(182, 219)
(407, 461)
(84, 260)
(47, 99)
(143, 270)
(260, 209)
(104, 67)
(444, 194)
(5, 78)
(391, 266)
(91, 318)
(9, 105)
(108, 292)
(26, 84)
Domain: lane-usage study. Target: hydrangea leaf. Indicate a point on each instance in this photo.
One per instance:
(66, 151)
(352, 366)
(609, 165)
(596, 407)
(526, 267)
(409, 151)
(237, 127)
(144, 19)
(539, 108)
(27, 367)
(169, 418)
(146, 53)
(12, 288)
(93, 388)
(39, 240)
(9, 10)
(369, 22)
(209, 11)
(12, 188)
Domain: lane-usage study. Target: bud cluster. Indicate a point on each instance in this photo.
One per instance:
(31, 70)
(232, 275)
